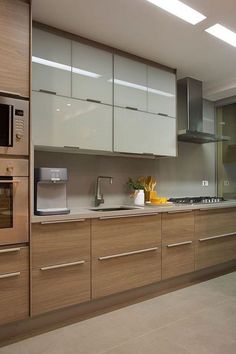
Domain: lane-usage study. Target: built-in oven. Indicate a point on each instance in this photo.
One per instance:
(14, 185)
(14, 126)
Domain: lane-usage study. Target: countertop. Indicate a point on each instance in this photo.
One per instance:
(86, 213)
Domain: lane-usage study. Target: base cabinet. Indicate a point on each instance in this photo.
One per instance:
(14, 284)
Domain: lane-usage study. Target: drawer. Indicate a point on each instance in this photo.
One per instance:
(14, 259)
(120, 272)
(55, 288)
(177, 259)
(14, 295)
(177, 227)
(118, 235)
(60, 243)
(213, 250)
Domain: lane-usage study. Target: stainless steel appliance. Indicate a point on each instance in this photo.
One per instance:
(14, 221)
(50, 196)
(197, 200)
(14, 126)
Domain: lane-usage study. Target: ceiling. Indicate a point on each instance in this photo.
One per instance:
(141, 28)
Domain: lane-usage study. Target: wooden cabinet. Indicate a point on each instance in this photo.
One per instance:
(216, 236)
(14, 284)
(15, 47)
(60, 265)
(126, 253)
(177, 243)
(144, 133)
(92, 73)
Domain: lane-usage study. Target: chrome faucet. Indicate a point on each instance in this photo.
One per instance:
(98, 195)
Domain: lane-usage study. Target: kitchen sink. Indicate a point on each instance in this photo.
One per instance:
(113, 209)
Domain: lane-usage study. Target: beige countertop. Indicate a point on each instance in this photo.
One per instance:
(87, 213)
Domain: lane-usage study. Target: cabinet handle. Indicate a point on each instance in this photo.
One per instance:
(11, 93)
(132, 108)
(64, 265)
(179, 211)
(118, 255)
(92, 100)
(61, 221)
(163, 114)
(179, 244)
(148, 153)
(218, 236)
(9, 181)
(9, 250)
(71, 147)
(47, 91)
(126, 216)
(9, 275)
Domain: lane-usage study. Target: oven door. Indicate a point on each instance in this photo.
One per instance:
(14, 223)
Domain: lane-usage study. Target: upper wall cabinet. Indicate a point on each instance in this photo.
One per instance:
(161, 92)
(130, 83)
(51, 63)
(92, 73)
(15, 47)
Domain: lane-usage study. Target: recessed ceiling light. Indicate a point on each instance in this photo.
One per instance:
(223, 33)
(58, 110)
(179, 9)
(68, 104)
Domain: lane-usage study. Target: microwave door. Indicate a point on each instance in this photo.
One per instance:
(6, 125)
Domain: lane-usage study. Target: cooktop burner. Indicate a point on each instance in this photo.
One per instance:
(197, 200)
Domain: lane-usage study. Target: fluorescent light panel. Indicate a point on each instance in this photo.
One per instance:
(223, 33)
(60, 66)
(141, 87)
(179, 9)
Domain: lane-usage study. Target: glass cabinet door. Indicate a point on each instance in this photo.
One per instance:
(6, 204)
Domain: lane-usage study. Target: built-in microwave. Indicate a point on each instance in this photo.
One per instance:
(14, 126)
(14, 185)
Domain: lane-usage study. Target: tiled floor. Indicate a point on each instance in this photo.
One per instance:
(200, 319)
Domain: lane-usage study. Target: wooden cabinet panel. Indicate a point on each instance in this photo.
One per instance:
(60, 243)
(14, 44)
(57, 288)
(177, 260)
(14, 259)
(177, 227)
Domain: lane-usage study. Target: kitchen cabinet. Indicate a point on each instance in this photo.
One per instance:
(130, 83)
(177, 243)
(216, 236)
(161, 92)
(126, 253)
(92, 73)
(144, 133)
(51, 67)
(60, 121)
(60, 265)
(14, 284)
(15, 47)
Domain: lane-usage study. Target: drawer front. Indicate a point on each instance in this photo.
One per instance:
(177, 227)
(13, 259)
(177, 259)
(120, 235)
(56, 288)
(14, 295)
(60, 243)
(113, 275)
(215, 222)
(215, 251)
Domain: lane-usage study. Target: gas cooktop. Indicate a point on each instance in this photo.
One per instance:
(197, 200)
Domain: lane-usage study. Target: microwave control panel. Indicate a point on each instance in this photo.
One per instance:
(19, 123)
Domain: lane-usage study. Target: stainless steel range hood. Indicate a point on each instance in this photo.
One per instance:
(190, 113)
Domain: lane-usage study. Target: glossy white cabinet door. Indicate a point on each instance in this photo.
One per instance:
(161, 92)
(51, 63)
(140, 133)
(92, 73)
(60, 121)
(130, 83)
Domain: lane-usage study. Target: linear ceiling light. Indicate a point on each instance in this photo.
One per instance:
(223, 33)
(141, 87)
(179, 9)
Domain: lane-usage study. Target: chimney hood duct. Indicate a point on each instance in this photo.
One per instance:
(190, 113)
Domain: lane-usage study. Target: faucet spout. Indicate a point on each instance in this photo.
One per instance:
(98, 194)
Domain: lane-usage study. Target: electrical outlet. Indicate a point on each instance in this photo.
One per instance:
(205, 183)
(226, 183)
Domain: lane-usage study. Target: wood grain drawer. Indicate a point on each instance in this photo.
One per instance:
(177, 227)
(212, 251)
(60, 287)
(60, 243)
(123, 272)
(13, 259)
(177, 259)
(120, 235)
